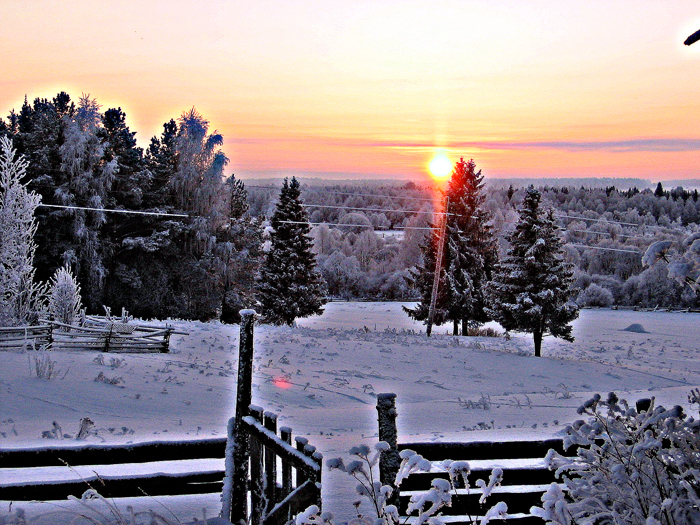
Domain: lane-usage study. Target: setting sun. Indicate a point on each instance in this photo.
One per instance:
(440, 167)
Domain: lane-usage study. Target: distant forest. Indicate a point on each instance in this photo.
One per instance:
(606, 230)
(189, 237)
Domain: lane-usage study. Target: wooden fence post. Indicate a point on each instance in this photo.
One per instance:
(235, 500)
(286, 435)
(257, 492)
(389, 460)
(270, 422)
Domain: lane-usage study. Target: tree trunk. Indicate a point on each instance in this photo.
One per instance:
(465, 327)
(538, 342)
(455, 327)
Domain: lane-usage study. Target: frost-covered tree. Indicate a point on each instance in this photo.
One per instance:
(200, 165)
(469, 256)
(634, 466)
(531, 290)
(290, 285)
(64, 296)
(683, 263)
(89, 180)
(21, 298)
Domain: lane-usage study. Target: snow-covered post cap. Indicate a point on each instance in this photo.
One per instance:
(246, 312)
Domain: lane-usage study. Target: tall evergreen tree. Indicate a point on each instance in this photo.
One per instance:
(290, 285)
(531, 290)
(469, 256)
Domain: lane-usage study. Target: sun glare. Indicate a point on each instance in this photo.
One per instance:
(440, 167)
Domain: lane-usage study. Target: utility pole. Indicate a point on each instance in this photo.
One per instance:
(438, 267)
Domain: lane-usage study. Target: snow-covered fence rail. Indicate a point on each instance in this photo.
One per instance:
(113, 338)
(154, 468)
(282, 480)
(525, 476)
(25, 337)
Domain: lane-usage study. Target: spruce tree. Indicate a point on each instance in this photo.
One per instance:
(531, 290)
(290, 285)
(469, 256)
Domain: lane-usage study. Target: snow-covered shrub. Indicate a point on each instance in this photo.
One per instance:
(595, 295)
(64, 296)
(44, 367)
(632, 468)
(425, 506)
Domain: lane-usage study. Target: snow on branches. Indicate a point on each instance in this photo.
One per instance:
(634, 466)
(425, 506)
(683, 268)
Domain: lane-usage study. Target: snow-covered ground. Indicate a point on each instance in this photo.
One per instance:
(322, 378)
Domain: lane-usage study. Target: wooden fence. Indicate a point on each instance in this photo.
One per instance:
(113, 337)
(525, 476)
(259, 463)
(25, 337)
(278, 489)
(282, 479)
(157, 469)
(110, 337)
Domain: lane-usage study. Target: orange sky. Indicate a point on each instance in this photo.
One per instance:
(372, 88)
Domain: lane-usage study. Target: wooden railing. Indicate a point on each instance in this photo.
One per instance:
(525, 476)
(112, 337)
(282, 480)
(155, 468)
(25, 337)
(115, 338)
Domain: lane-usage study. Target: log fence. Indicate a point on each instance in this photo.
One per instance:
(525, 475)
(111, 337)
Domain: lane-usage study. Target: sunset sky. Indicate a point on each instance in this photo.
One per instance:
(356, 89)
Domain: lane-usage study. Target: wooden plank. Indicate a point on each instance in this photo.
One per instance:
(487, 449)
(298, 460)
(286, 436)
(302, 497)
(156, 485)
(257, 491)
(270, 423)
(468, 504)
(112, 454)
(511, 476)
(18, 329)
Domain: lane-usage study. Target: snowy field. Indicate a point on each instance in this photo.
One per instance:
(322, 378)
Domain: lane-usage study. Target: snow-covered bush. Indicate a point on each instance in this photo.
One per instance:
(595, 295)
(425, 506)
(632, 468)
(64, 296)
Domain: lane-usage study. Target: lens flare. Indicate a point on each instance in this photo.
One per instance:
(281, 382)
(440, 167)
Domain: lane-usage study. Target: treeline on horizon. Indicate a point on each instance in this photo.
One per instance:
(203, 265)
